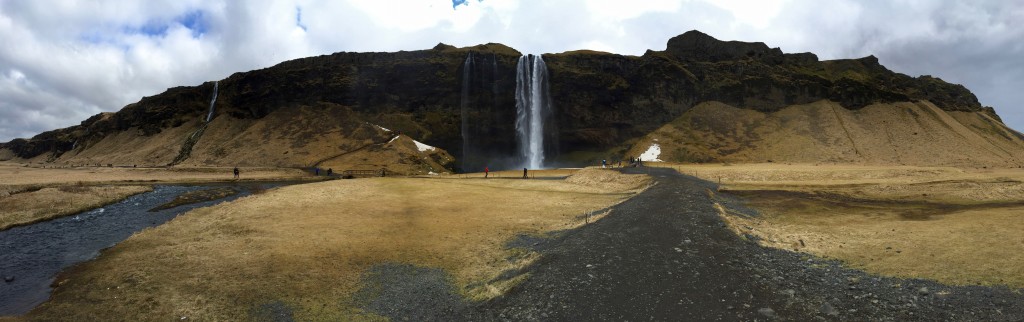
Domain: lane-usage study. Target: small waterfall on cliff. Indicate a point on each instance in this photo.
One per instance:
(186, 147)
(464, 116)
(533, 106)
(209, 116)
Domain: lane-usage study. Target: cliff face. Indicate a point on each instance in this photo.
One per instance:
(463, 100)
(606, 98)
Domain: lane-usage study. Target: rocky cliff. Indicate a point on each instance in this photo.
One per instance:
(301, 112)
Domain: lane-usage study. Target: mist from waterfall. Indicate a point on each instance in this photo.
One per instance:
(209, 116)
(464, 116)
(533, 107)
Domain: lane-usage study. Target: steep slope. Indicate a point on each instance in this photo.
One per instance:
(462, 100)
(916, 133)
(604, 98)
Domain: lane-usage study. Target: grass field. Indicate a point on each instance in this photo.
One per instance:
(952, 225)
(17, 176)
(31, 194)
(307, 246)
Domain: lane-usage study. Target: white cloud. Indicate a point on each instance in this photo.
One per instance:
(66, 60)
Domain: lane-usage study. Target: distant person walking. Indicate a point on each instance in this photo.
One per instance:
(316, 171)
(524, 174)
(330, 171)
(236, 172)
(486, 172)
(604, 163)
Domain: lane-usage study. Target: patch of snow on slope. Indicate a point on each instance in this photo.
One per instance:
(423, 147)
(380, 127)
(393, 139)
(652, 153)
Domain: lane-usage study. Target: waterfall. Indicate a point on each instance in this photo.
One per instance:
(466, 67)
(213, 100)
(532, 108)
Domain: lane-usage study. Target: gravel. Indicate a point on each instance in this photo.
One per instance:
(665, 254)
(404, 292)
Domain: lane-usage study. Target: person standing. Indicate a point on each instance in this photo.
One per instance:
(604, 163)
(236, 172)
(486, 172)
(524, 174)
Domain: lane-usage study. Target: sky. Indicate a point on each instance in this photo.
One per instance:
(62, 61)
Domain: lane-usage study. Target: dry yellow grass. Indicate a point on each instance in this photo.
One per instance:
(299, 136)
(18, 176)
(30, 194)
(48, 203)
(307, 246)
(957, 226)
(912, 133)
(516, 174)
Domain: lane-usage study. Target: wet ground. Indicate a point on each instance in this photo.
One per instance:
(32, 255)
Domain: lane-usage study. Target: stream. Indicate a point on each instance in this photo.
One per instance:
(34, 254)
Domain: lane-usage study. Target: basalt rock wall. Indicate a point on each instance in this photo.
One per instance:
(601, 101)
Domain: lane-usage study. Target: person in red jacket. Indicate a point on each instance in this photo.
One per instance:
(486, 171)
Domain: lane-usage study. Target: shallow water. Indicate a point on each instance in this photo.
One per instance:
(35, 254)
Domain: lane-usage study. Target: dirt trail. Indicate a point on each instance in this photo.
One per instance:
(666, 255)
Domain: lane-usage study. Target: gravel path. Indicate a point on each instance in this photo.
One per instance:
(666, 255)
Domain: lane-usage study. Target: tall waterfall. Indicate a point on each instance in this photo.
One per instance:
(209, 116)
(533, 107)
(465, 105)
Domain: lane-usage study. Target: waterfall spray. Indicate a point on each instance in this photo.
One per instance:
(466, 67)
(532, 108)
(209, 116)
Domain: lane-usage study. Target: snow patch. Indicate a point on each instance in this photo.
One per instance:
(380, 127)
(393, 139)
(423, 147)
(652, 153)
(432, 173)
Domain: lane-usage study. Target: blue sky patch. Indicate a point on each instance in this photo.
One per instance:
(193, 20)
(457, 3)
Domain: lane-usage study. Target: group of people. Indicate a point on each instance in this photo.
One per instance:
(316, 171)
(632, 163)
(487, 172)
